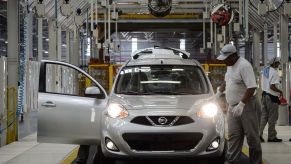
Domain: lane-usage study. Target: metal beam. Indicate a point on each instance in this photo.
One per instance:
(68, 46)
(284, 36)
(75, 58)
(149, 21)
(39, 39)
(257, 53)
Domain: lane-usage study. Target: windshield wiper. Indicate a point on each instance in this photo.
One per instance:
(129, 92)
(136, 93)
(171, 93)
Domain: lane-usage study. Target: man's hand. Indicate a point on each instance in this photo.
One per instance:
(281, 93)
(218, 94)
(238, 109)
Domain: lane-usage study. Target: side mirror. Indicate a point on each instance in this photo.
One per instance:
(92, 91)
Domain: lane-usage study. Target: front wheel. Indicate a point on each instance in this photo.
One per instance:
(99, 158)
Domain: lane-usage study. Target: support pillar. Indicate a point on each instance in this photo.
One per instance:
(52, 41)
(75, 59)
(3, 99)
(256, 54)
(284, 111)
(59, 43)
(40, 39)
(52, 52)
(275, 39)
(68, 45)
(13, 48)
(265, 54)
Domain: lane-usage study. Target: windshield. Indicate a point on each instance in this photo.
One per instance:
(161, 79)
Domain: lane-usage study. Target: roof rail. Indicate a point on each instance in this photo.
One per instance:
(182, 53)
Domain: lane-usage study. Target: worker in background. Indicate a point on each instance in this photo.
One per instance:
(270, 99)
(242, 119)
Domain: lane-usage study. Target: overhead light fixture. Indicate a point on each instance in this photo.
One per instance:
(78, 18)
(160, 8)
(66, 9)
(40, 9)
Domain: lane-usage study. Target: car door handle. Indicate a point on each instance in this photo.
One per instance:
(48, 104)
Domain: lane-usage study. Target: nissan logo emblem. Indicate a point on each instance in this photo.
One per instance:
(162, 120)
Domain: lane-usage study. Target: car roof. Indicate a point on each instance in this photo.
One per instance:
(162, 61)
(159, 56)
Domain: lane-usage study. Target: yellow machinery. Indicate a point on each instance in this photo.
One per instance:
(104, 74)
(12, 120)
(216, 73)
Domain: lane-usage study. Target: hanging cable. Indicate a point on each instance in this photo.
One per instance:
(22, 63)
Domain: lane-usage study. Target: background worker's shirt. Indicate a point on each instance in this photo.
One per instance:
(238, 79)
(272, 79)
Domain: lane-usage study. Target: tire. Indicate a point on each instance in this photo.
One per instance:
(99, 158)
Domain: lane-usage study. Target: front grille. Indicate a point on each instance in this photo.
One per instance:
(154, 120)
(162, 141)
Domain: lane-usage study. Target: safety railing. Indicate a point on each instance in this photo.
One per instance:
(12, 121)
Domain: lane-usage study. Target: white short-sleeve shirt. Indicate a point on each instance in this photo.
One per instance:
(238, 79)
(273, 79)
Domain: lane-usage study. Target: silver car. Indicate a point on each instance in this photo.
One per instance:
(161, 105)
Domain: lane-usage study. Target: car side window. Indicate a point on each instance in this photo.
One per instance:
(62, 79)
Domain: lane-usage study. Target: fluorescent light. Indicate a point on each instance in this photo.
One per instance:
(177, 69)
(182, 44)
(133, 44)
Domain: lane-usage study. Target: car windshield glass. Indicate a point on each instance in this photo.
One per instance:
(162, 80)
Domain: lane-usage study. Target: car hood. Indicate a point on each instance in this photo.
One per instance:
(166, 102)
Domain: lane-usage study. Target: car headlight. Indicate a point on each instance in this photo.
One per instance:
(115, 110)
(208, 110)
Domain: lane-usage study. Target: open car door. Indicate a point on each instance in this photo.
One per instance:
(70, 105)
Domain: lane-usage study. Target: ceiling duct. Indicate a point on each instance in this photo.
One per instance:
(160, 8)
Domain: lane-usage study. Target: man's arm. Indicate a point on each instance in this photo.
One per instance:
(274, 88)
(275, 79)
(222, 87)
(248, 94)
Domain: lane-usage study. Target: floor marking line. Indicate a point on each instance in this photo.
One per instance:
(71, 156)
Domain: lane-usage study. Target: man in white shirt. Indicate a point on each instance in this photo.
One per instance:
(242, 119)
(270, 99)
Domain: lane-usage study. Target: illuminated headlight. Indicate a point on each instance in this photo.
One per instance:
(208, 111)
(214, 144)
(110, 145)
(117, 111)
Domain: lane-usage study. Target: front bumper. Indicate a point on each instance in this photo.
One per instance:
(135, 141)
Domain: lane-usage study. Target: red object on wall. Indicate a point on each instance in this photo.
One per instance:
(221, 15)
